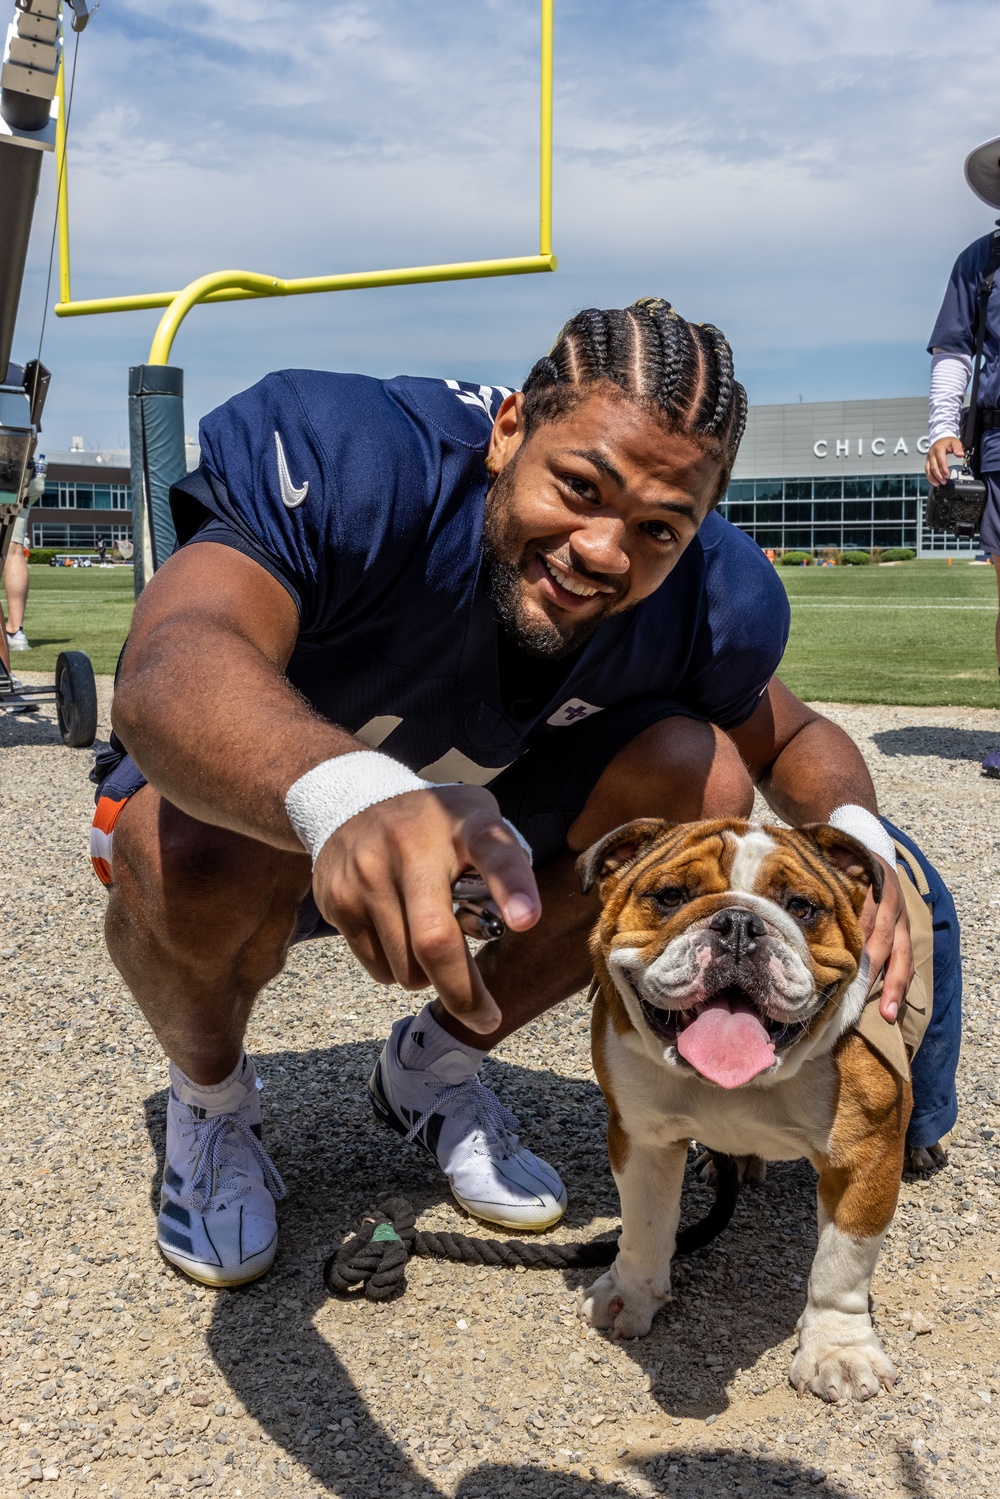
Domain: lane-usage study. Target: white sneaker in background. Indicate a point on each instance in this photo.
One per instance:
(18, 641)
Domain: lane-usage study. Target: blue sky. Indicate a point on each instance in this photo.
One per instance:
(790, 172)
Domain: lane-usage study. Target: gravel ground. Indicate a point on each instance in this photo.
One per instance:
(120, 1378)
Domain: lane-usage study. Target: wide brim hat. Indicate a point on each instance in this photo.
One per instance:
(982, 171)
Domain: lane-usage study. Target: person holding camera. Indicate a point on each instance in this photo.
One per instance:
(968, 330)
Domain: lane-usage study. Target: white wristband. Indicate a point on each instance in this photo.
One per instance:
(336, 790)
(866, 828)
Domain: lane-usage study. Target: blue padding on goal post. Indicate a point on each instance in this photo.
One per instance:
(156, 438)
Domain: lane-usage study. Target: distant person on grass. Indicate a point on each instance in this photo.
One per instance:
(15, 582)
(952, 346)
(15, 570)
(389, 597)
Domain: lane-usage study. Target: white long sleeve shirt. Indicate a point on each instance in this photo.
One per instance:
(950, 375)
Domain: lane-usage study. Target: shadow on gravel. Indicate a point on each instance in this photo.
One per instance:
(20, 729)
(737, 1299)
(934, 740)
(700, 1472)
(734, 1301)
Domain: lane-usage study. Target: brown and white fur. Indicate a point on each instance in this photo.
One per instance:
(789, 957)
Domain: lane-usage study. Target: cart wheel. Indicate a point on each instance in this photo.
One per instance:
(76, 699)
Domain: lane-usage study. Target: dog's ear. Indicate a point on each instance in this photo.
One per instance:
(849, 856)
(615, 850)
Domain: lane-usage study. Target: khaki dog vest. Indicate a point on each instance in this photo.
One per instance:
(897, 1044)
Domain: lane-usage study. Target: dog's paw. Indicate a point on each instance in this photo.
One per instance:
(834, 1372)
(924, 1160)
(753, 1171)
(622, 1312)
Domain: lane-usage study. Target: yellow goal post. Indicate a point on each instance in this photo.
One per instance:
(236, 286)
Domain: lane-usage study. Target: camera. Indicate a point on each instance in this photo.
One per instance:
(956, 506)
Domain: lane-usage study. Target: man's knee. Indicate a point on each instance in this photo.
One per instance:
(170, 865)
(680, 769)
(199, 859)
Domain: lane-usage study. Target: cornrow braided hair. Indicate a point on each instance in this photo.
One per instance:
(681, 372)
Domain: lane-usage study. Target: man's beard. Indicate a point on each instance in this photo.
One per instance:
(535, 633)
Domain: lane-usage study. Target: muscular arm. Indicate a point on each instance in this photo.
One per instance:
(204, 708)
(202, 703)
(805, 767)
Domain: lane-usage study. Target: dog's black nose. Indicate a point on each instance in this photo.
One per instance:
(738, 930)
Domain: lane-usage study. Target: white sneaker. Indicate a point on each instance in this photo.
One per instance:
(216, 1220)
(18, 641)
(469, 1133)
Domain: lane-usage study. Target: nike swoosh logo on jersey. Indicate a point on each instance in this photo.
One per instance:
(292, 496)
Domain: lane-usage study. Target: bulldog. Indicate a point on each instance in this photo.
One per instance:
(731, 984)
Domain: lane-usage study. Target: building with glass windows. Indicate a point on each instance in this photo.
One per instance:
(87, 495)
(845, 474)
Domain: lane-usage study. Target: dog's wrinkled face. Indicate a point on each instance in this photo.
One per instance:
(729, 943)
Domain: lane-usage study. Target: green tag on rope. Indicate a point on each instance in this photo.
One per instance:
(385, 1234)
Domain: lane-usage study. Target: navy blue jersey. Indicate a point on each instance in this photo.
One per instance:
(365, 499)
(956, 327)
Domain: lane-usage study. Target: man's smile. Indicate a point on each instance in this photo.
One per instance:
(567, 588)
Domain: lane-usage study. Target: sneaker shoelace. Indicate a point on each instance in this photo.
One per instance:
(499, 1126)
(216, 1154)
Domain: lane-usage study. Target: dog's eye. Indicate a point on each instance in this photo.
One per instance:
(800, 908)
(670, 897)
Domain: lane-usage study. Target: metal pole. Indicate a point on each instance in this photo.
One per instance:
(545, 153)
(65, 290)
(19, 173)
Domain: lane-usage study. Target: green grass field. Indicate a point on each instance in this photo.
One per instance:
(918, 633)
(76, 609)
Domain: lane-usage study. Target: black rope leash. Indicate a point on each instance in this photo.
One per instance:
(374, 1259)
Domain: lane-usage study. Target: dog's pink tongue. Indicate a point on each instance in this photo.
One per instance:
(727, 1044)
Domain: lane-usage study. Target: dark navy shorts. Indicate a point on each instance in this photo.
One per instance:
(989, 529)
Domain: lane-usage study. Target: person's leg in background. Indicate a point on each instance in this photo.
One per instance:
(15, 582)
(989, 540)
(991, 765)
